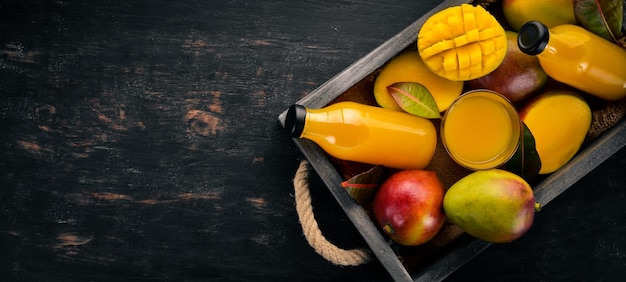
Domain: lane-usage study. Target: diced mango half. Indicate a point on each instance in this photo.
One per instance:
(462, 42)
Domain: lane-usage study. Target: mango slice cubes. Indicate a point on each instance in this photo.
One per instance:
(462, 42)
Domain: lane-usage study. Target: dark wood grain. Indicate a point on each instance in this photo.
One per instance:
(140, 142)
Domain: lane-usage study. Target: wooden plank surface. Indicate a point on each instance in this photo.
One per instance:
(140, 142)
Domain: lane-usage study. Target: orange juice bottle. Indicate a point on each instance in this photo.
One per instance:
(574, 56)
(366, 134)
(481, 130)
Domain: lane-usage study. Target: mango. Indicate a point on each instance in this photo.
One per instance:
(549, 12)
(559, 121)
(408, 206)
(462, 42)
(492, 205)
(518, 78)
(408, 67)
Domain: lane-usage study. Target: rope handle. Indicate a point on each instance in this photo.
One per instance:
(311, 230)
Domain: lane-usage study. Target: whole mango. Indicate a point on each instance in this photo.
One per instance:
(519, 76)
(492, 205)
(559, 121)
(408, 206)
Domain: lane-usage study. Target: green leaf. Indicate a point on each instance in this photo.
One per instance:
(363, 185)
(525, 162)
(415, 99)
(602, 17)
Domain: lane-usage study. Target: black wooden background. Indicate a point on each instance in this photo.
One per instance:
(139, 141)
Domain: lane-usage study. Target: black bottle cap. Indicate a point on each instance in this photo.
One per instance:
(533, 37)
(294, 121)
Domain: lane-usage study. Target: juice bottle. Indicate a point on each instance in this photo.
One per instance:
(366, 134)
(481, 130)
(574, 56)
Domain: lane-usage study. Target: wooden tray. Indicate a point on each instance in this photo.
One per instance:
(442, 261)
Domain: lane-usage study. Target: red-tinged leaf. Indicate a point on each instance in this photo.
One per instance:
(525, 162)
(415, 99)
(602, 17)
(363, 185)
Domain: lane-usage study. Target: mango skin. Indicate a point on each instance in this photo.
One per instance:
(559, 121)
(409, 67)
(518, 78)
(549, 12)
(408, 206)
(492, 205)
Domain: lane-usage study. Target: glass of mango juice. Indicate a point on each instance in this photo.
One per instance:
(481, 130)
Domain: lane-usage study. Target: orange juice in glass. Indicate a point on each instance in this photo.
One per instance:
(481, 130)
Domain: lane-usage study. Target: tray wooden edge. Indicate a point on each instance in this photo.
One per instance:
(555, 184)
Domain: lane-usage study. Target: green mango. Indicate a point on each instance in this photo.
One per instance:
(492, 205)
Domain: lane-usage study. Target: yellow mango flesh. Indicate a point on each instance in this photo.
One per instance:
(408, 67)
(559, 122)
(462, 43)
